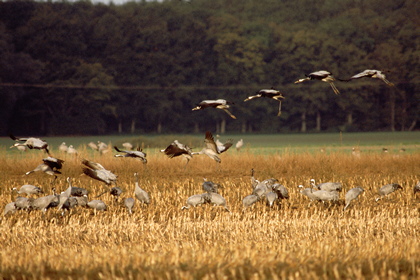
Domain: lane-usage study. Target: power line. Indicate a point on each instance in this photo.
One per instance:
(150, 87)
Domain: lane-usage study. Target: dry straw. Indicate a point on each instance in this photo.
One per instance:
(294, 240)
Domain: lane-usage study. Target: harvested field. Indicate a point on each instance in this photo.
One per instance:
(292, 240)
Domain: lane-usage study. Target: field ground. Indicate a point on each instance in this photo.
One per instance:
(257, 143)
(293, 240)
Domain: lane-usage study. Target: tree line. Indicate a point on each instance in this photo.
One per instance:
(77, 68)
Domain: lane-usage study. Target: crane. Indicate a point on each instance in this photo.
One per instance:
(31, 143)
(322, 75)
(139, 154)
(176, 149)
(374, 74)
(211, 149)
(269, 93)
(221, 104)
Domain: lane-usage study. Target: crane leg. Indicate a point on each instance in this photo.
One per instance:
(335, 89)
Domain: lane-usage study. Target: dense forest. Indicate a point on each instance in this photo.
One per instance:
(76, 68)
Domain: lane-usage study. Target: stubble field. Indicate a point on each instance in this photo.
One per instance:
(292, 240)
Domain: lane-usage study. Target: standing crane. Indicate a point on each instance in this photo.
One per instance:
(269, 93)
(322, 75)
(221, 104)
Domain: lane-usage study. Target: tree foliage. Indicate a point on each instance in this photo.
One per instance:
(84, 68)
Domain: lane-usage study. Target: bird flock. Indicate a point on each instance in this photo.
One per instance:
(322, 75)
(268, 191)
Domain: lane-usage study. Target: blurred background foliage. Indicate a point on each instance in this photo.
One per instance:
(79, 68)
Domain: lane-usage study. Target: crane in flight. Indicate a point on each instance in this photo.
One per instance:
(269, 93)
(322, 75)
(221, 104)
(374, 74)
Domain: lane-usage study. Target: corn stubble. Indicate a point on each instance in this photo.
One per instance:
(293, 240)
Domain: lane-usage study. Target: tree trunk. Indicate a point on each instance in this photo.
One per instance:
(403, 111)
(159, 127)
(133, 126)
(223, 126)
(350, 118)
(303, 119)
(119, 126)
(392, 111)
(243, 127)
(318, 121)
(413, 125)
(250, 129)
(196, 128)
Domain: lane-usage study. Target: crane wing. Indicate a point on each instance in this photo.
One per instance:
(209, 141)
(93, 165)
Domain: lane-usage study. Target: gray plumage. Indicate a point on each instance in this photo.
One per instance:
(215, 199)
(81, 200)
(45, 202)
(269, 93)
(127, 145)
(54, 163)
(388, 189)
(210, 187)
(374, 74)
(194, 201)
(352, 194)
(63, 147)
(416, 188)
(211, 149)
(264, 187)
(23, 203)
(261, 189)
(140, 194)
(19, 147)
(254, 182)
(116, 192)
(28, 189)
(308, 192)
(70, 203)
(64, 196)
(31, 143)
(221, 104)
(178, 149)
(139, 154)
(10, 208)
(76, 191)
(98, 172)
(206, 198)
(102, 147)
(98, 205)
(328, 186)
(129, 204)
(249, 200)
(322, 195)
(46, 169)
(281, 191)
(71, 150)
(239, 144)
(322, 75)
(271, 197)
